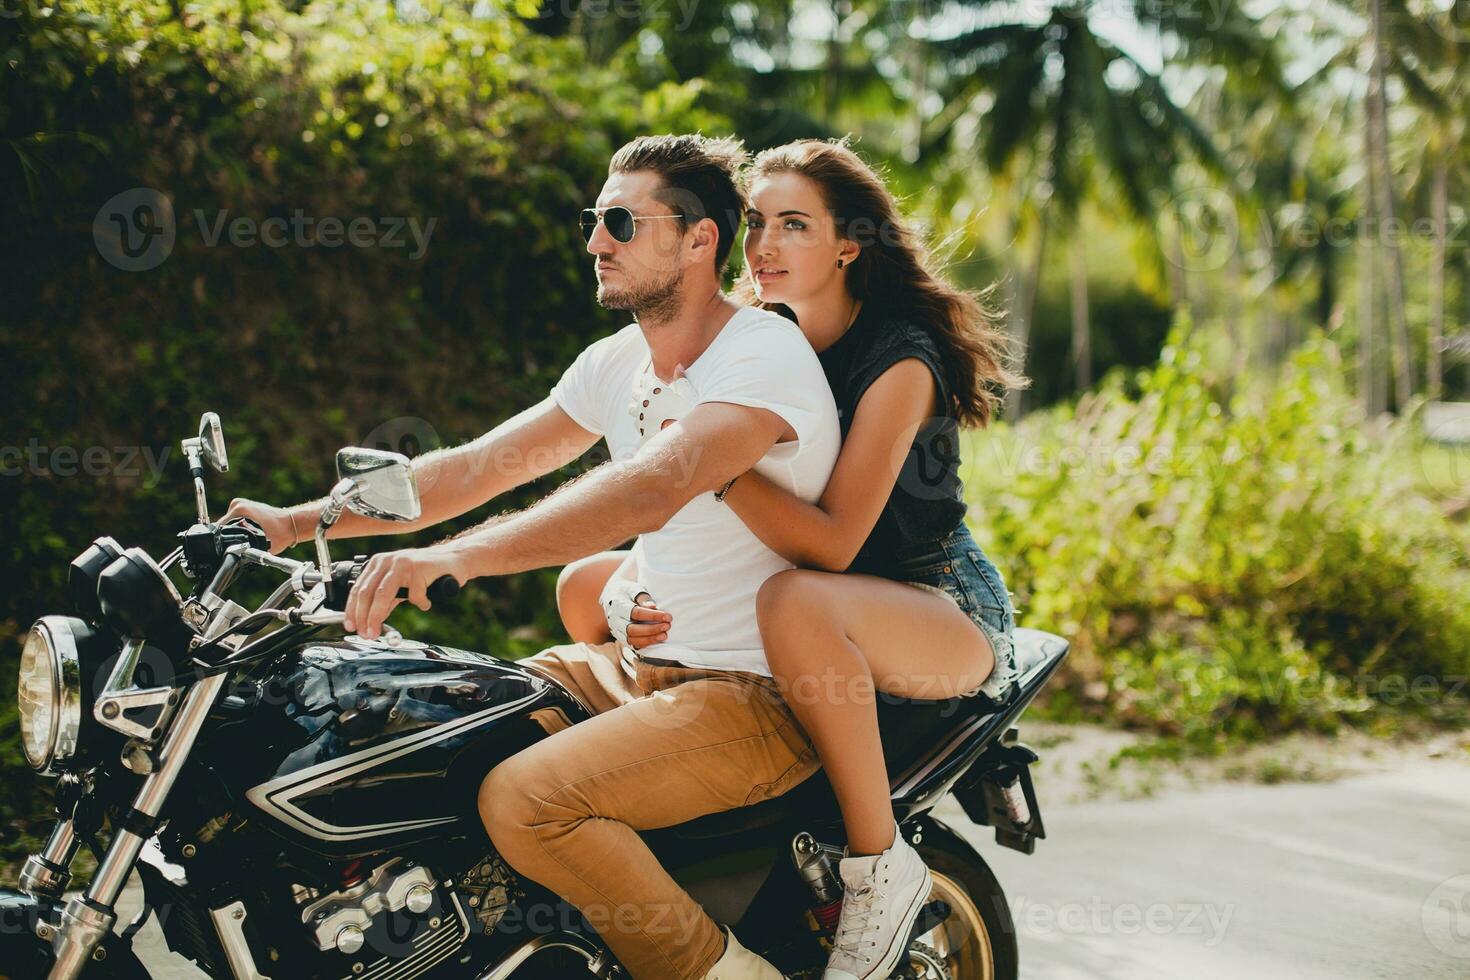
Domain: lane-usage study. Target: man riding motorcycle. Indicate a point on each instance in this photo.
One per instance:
(702, 729)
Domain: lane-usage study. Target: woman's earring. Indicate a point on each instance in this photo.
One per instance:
(839, 263)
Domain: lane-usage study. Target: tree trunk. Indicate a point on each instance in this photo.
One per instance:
(1368, 253)
(832, 81)
(1403, 368)
(1178, 277)
(1367, 394)
(1235, 290)
(1327, 263)
(919, 75)
(1081, 329)
(1436, 283)
(1274, 322)
(1029, 286)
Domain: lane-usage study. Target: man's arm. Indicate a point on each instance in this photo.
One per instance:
(715, 442)
(451, 481)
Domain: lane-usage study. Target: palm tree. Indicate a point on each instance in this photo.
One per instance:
(1057, 94)
(1376, 106)
(1443, 57)
(1293, 150)
(1424, 54)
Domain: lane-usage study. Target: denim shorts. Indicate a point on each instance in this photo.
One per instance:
(956, 567)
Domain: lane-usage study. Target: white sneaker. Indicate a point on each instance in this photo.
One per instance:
(739, 963)
(883, 895)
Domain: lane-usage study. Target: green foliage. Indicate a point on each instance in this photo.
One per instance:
(1128, 329)
(1228, 566)
(462, 116)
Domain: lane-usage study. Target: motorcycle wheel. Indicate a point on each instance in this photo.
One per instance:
(978, 939)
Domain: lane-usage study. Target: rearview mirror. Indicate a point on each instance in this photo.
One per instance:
(383, 484)
(212, 442)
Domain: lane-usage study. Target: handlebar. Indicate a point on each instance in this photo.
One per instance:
(444, 589)
(338, 583)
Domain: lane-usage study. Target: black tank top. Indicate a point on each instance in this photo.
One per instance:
(927, 502)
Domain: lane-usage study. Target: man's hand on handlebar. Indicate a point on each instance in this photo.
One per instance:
(388, 579)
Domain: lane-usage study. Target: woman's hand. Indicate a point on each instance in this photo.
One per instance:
(649, 625)
(632, 615)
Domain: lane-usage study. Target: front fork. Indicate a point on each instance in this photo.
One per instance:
(45, 875)
(87, 919)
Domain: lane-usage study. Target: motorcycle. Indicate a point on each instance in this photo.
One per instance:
(299, 802)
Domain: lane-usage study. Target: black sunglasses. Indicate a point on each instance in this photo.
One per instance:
(621, 223)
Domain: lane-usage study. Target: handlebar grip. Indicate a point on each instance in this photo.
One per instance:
(443, 589)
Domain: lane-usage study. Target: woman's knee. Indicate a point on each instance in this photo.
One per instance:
(575, 581)
(974, 672)
(786, 594)
(578, 590)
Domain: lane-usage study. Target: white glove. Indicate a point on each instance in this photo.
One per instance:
(618, 601)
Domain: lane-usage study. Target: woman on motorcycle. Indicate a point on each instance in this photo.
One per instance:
(890, 592)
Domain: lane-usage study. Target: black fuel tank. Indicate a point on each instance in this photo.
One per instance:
(360, 745)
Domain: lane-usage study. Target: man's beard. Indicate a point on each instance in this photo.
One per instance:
(647, 301)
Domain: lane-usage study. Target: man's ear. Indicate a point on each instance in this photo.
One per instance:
(703, 239)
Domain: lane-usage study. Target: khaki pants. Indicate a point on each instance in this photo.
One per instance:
(667, 743)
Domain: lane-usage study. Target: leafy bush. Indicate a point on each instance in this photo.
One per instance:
(1228, 565)
(452, 113)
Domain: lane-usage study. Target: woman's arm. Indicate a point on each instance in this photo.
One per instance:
(829, 533)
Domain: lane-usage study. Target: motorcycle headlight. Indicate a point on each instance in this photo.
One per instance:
(49, 694)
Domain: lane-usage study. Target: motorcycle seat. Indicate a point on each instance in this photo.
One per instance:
(910, 730)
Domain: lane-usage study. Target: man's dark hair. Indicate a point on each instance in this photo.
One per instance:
(700, 173)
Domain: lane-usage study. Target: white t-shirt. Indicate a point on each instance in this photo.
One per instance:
(704, 566)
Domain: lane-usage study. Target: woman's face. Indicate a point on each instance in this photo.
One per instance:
(791, 241)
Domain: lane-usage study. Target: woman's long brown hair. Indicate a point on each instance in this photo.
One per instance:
(894, 267)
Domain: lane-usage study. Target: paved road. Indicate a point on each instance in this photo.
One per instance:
(1366, 877)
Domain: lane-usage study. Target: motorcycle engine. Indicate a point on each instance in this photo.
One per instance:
(401, 920)
(395, 919)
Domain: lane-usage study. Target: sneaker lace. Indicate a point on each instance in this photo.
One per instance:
(856, 926)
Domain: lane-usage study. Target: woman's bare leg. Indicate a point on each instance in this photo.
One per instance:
(832, 641)
(577, 590)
